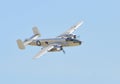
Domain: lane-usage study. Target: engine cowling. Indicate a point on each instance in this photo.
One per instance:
(56, 48)
(72, 36)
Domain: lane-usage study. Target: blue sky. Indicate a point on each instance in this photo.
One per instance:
(96, 61)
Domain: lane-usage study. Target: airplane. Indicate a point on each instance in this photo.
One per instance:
(66, 39)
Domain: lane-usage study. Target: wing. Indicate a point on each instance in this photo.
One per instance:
(43, 51)
(72, 29)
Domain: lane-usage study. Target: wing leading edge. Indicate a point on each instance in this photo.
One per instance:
(44, 51)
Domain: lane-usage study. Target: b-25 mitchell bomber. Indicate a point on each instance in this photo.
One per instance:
(66, 39)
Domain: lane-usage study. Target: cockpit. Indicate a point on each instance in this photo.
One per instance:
(69, 39)
(73, 40)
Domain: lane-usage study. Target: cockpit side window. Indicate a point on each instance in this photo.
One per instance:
(69, 39)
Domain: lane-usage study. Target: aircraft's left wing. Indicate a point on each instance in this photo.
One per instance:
(43, 51)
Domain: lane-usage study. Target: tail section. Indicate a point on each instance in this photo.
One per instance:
(21, 44)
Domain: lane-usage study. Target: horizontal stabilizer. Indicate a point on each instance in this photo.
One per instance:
(20, 44)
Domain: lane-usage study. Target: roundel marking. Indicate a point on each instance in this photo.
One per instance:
(38, 43)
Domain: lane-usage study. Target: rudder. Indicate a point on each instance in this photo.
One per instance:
(36, 31)
(20, 44)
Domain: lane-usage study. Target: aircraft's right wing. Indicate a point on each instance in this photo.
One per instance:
(72, 29)
(43, 51)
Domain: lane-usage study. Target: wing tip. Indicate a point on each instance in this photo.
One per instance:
(81, 22)
(34, 58)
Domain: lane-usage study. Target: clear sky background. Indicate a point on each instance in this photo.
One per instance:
(96, 61)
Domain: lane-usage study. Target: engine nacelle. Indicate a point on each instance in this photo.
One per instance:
(72, 36)
(57, 48)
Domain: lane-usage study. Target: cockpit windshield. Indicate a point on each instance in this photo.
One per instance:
(69, 39)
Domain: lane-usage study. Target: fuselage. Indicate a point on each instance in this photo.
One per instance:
(64, 42)
(56, 44)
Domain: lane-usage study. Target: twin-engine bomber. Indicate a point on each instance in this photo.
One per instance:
(66, 39)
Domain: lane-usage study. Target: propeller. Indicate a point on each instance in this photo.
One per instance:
(62, 49)
(78, 36)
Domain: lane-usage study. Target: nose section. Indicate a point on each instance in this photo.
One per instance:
(78, 41)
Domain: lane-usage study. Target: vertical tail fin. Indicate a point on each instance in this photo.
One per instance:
(20, 44)
(36, 31)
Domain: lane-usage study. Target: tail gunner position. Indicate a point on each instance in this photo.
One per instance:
(51, 44)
